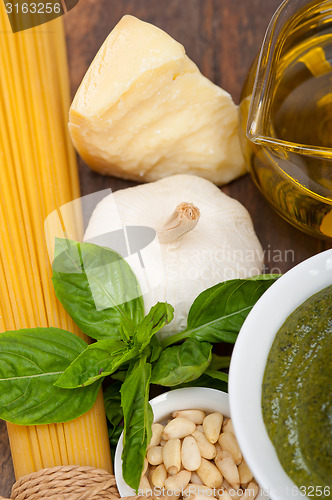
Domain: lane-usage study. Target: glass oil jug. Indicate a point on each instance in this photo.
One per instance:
(286, 115)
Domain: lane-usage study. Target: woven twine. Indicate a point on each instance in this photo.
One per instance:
(70, 482)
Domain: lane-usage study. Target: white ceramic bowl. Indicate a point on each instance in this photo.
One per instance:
(199, 398)
(248, 364)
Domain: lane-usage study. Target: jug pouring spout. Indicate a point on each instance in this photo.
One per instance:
(286, 114)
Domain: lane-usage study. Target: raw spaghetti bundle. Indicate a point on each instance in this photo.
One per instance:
(38, 174)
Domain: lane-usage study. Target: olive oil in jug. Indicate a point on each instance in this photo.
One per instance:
(286, 116)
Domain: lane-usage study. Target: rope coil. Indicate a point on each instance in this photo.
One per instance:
(69, 482)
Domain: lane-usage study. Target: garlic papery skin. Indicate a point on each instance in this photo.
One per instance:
(184, 218)
(182, 261)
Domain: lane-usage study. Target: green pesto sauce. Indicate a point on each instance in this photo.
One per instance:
(297, 395)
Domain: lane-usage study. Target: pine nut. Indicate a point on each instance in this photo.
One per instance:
(144, 486)
(235, 494)
(218, 448)
(155, 455)
(172, 456)
(197, 489)
(212, 426)
(207, 449)
(195, 479)
(179, 481)
(145, 466)
(223, 454)
(251, 491)
(178, 428)
(227, 426)
(157, 430)
(196, 416)
(229, 470)
(190, 454)
(225, 495)
(244, 472)
(158, 476)
(209, 474)
(228, 442)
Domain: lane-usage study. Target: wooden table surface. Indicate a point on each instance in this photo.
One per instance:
(221, 37)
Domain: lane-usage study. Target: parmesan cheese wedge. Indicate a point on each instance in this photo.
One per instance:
(144, 111)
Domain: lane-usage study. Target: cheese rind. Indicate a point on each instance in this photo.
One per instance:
(144, 111)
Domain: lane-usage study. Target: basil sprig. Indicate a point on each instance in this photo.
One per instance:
(106, 356)
(50, 375)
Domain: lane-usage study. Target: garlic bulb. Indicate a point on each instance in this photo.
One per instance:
(200, 237)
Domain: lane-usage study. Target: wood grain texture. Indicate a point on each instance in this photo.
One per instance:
(7, 477)
(222, 37)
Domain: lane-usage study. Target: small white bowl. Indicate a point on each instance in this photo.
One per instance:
(200, 398)
(248, 364)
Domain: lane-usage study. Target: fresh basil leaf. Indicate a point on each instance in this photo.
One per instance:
(205, 381)
(265, 277)
(156, 349)
(31, 360)
(138, 418)
(97, 361)
(114, 413)
(126, 333)
(219, 362)
(159, 315)
(113, 440)
(120, 375)
(218, 313)
(217, 374)
(181, 363)
(113, 409)
(97, 288)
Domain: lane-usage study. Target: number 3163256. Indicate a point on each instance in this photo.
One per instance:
(33, 8)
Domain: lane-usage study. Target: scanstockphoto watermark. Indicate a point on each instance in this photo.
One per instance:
(194, 490)
(25, 14)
